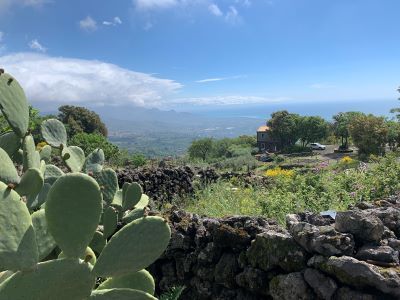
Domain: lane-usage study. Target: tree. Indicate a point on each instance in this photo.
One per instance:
(393, 136)
(81, 120)
(312, 129)
(369, 134)
(397, 109)
(284, 128)
(91, 141)
(341, 127)
(201, 148)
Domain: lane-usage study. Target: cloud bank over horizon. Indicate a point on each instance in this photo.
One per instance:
(52, 81)
(57, 80)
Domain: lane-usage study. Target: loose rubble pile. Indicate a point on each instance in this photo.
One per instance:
(161, 184)
(354, 256)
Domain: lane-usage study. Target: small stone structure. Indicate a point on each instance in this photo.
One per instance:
(355, 256)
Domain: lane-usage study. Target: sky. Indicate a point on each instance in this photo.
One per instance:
(188, 54)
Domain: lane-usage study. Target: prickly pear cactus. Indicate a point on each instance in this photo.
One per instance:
(53, 227)
(13, 104)
(54, 133)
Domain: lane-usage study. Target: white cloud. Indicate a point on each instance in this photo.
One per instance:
(155, 4)
(246, 3)
(227, 100)
(35, 45)
(232, 15)
(52, 81)
(115, 21)
(214, 9)
(210, 80)
(220, 78)
(88, 24)
(6, 4)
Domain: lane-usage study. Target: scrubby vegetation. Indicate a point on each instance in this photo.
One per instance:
(322, 188)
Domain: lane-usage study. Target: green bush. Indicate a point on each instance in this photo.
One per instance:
(88, 142)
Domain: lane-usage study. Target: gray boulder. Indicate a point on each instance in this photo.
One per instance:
(324, 240)
(254, 280)
(290, 287)
(276, 249)
(365, 227)
(346, 293)
(323, 286)
(383, 254)
(390, 217)
(359, 274)
(226, 270)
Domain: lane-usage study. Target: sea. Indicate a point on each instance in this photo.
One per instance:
(315, 108)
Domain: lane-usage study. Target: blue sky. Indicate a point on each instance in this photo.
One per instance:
(192, 53)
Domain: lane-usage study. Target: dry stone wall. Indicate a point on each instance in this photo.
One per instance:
(354, 256)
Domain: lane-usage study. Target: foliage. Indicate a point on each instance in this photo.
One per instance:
(238, 163)
(368, 133)
(312, 129)
(393, 135)
(284, 128)
(54, 226)
(341, 127)
(208, 149)
(323, 189)
(88, 142)
(81, 120)
(397, 109)
(201, 149)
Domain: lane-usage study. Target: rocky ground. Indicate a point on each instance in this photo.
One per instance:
(352, 256)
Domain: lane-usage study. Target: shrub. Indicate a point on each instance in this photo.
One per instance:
(88, 142)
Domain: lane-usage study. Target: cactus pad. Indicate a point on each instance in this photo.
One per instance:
(45, 153)
(108, 182)
(31, 183)
(117, 200)
(110, 219)
(98, 242)
(141, 280)
(44, 240)
(61, 279)
(73, 209)
(52, 173)
(10, 142)
(8, 173)
(76, 158)
(13, 104)
(133, 215)
(30, 155)
(132, 196)
(142, 242)
(54, 133)
(18, 249)
(94, 161)
(120, 294)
